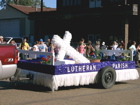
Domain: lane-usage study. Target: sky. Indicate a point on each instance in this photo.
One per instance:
(50, 3)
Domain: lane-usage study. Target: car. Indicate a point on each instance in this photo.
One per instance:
(18, 40)
(8, 60)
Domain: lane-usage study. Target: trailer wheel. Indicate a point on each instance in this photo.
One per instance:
(106, 77)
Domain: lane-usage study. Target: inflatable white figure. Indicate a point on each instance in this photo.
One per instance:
(67, 37)
(64, 45)
(62, 52)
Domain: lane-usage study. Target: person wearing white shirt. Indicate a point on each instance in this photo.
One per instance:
(114, 46)
(42, 47)
(133, 48)
(36, 46)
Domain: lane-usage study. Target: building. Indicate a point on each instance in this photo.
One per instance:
(105, 20)
(14, 21)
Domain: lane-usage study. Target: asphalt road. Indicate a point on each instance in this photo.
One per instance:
(122, 93)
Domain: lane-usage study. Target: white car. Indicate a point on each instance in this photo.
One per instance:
(18, 40)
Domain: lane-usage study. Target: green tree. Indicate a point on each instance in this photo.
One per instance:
(21, 2)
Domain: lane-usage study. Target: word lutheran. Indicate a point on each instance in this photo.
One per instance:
(80, 68)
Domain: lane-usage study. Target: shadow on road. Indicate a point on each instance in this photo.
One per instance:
(5, 85)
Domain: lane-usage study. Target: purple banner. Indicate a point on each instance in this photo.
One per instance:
(93, 67)
(74, 68)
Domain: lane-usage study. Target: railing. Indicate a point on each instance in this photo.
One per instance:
(118, 52)
(107, 52)
(37, 53)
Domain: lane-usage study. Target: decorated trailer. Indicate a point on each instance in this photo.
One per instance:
(55, 72)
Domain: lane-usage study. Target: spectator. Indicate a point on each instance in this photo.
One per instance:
(48, 42)
(42, 47)
(89, 48)
(97, 46)
(56, 50)
(83, 42)
(26, 45)
(36, 46)
(133, 48)
(115, 45)
(81, 48)
(103, 47)
(51, 48)
(120, 47)
(32, 55)
(13, 43)
(122, 44)
(138, 54)
(23, 56)
(1, 40)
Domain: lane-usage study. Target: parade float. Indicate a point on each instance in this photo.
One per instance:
(55, 72)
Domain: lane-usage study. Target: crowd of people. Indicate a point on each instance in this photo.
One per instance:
(86, 49)
(83, 48)
(38, 46)
(89, 47)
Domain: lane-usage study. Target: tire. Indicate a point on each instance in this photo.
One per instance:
(106, 77)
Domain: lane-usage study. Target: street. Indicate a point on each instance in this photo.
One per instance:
(122, 93)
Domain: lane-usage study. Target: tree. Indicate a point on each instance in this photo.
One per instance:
(21, 2)
(3, 3)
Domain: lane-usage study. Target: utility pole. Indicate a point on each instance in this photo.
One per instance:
(41, 5)
(125, 2)
(126, 32)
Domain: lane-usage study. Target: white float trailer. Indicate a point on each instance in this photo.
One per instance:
(53, 76)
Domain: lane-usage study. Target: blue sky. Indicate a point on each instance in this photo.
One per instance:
(50, 3)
